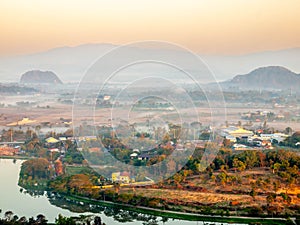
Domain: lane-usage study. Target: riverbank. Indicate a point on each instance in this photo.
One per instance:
(20, 157)
(183, 215)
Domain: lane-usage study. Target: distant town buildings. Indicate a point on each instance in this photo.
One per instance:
(232, 133)
(245, 139)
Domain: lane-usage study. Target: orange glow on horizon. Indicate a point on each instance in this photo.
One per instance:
(208, 27)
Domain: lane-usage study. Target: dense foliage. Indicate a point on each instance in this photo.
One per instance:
(10, 218)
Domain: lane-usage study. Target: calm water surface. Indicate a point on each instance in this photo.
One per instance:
(23, 204)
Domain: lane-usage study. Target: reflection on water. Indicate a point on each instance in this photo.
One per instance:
(32, 193)
(117, 213)
(24, 202)
(21, 201)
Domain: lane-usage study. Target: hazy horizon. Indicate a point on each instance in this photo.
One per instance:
(71, 63)
(113, 45)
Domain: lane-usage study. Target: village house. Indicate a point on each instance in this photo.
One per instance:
(122, 177)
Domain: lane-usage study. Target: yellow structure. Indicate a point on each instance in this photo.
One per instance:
(123, 177)
(241, 133)
(24, 121)
(51, 140)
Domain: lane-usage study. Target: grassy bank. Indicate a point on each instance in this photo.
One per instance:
(180, 215)
(21, 157)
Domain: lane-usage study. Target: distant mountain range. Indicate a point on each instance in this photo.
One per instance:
(265, 78)
(71, 63)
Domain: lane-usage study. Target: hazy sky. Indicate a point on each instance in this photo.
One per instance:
(205, 26)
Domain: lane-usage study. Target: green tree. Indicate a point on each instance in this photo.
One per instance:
(238, 165)
(271, 198)
(80, 184)
(8, 215)
(253, 193)
(41, 219)
(178, 179)
(36, 168)
(288, 130)
(223, 178)
(61, 220)
(97, 220)
(250, 158)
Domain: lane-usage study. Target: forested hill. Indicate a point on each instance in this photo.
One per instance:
(271, 77)
(40, 77)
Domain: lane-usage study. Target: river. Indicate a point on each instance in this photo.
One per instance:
(23, 204)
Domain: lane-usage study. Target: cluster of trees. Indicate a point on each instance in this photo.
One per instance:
(226, 167)
(72, 155)
(17, 135)
(38, 168)
(226, 159)
(78, 184)
(10, 218)
(62, 220)
(35, 173)
(292, 141)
